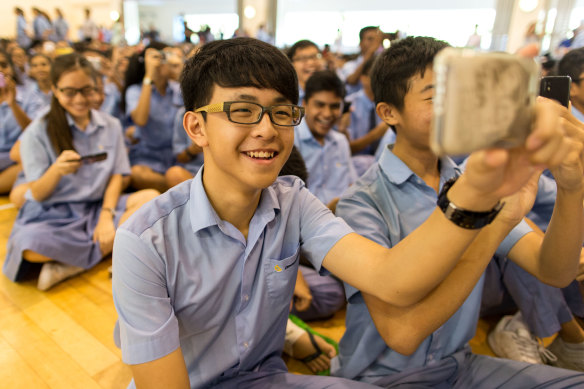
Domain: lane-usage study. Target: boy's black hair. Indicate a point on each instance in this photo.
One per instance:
(303, 44)
(364, 30)
(324, 80)
(238, 62)
(392, 71)
(572, 64)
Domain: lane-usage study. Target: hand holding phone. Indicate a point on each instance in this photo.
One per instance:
(91, 158)
(556, 88)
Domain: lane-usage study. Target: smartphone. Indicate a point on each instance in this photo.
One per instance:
(481, 100)
(556, 88)
(87, 159)
(2, 81)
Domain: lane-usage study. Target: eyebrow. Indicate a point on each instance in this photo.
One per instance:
(279, 99)
(427, 88)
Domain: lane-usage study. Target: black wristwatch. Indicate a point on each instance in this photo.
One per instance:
(461, 217)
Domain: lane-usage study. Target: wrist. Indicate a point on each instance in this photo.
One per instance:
(147, 80)
(109, 212)
(468, 197)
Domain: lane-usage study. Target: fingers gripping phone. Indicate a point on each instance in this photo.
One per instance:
(556, 88)
(87, 159)
(481, 100)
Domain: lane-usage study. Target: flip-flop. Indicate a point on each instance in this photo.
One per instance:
(311, 332)
(316, 354)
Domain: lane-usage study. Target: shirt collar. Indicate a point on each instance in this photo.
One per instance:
(203, 215)
(96, 122)
(398, 172)
(305, 135)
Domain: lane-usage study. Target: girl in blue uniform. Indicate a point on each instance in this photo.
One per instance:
(73, 206)
(40, 71)
(151, 100)
(17, 108)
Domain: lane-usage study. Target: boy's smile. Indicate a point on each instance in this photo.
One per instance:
(244, 156)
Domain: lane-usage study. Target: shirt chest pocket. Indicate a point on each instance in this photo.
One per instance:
(281, 277)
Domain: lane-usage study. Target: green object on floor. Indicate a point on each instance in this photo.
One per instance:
(300, 323)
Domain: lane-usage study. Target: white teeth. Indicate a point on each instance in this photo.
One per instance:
(260, 154)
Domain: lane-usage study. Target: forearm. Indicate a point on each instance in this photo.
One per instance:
(21, 117)
(562, 243)
(353, 78)
(404, 328)
(112, 192)
(44, 187)
(142, 111)
(372, 136)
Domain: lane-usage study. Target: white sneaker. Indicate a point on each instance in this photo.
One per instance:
(569, 355)
(511, 339)
(54, 272)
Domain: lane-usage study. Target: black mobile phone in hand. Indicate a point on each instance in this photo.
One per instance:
(91, 158)
(556, 88)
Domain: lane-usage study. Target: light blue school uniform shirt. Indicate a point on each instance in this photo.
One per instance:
(22, 38)
(10, 130)
(386, 205)
(330, 169)
(387, 140)
(40, 24)
(180, 141)
(363, 117)
(579, 115)
(37, 93)
(103, 133)
(112, 100)
(184, 277)
(349, 68)
(155, 146)
(60, 29)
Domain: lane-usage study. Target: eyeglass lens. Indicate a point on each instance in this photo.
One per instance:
(247, 113)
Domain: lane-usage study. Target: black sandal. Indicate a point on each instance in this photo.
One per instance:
(316, 354)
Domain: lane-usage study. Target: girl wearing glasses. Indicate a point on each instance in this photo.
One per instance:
(151, 100)
(74, 203)
(17, 107)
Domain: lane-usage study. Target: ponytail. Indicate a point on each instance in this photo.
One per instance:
(58, 128)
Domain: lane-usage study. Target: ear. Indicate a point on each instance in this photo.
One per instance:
(195, 128)
(388, 113)
(574, 89)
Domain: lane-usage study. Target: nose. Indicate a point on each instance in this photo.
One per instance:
(265, 128)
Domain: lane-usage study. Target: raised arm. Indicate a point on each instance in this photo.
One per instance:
(152, 61)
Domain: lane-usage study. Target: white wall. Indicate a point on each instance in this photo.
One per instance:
(162, 13)
(72, 11)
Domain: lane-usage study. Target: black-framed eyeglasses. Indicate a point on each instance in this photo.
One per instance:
(246, 112)
(576, 80)
(305, 58)
(86, 91)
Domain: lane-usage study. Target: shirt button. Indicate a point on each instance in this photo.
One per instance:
(245, 344)
(245, 297)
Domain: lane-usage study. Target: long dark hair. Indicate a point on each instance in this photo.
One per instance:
(58, 128)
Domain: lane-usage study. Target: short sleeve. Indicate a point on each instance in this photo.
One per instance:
(147, 325)
(513, 237)
(122, 163)
(320, 230)
(132, 98)
(35, 155)
(180, 140)
(366, 221)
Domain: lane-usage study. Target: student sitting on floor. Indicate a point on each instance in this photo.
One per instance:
(69, 220)
(423, 341)
(203, 275)
(325, 151)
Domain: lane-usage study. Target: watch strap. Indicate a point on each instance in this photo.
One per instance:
(462, 217)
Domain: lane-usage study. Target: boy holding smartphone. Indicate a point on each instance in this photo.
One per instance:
(424, 341)
(203, 275)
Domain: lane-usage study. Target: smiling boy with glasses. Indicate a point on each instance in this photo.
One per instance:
(203, 275)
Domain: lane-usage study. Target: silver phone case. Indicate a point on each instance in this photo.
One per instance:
(481, 100)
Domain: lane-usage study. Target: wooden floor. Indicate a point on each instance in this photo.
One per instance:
(63, 338)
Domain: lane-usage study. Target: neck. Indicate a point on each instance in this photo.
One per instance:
(44, 85)
(81, 123)
(579, 106)
(235, 206)
(422, 161)
(161, 85)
